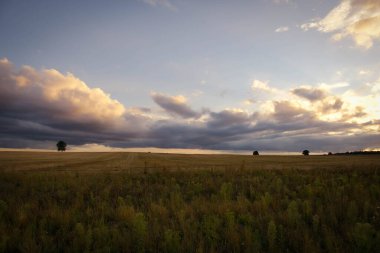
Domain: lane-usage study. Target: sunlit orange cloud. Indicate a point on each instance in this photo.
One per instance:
(62, 98)
(67, 95)
(359, 19)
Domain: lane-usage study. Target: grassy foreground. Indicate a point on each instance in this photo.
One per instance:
(139, 202)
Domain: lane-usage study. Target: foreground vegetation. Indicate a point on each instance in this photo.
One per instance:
(239, 208)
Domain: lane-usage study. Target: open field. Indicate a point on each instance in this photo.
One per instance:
(143, 202)
(136, 162)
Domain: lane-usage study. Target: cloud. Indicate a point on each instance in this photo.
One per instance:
(359, 19)
(287, 111)
(333, 104)
(364, 72)
(46, 105)
(39, 107)
(315, 118)
(248, 101)
(349, 106)
(175, 105)
(165, 3)
(331, 86)
(56, 98)
(229, 117)
(282, 29)
(262, 85)
(289, 128)
(309, 93)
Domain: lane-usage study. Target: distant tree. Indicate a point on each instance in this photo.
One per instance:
(305, 152)
(61, 146)
(329, 153)
(255, 152)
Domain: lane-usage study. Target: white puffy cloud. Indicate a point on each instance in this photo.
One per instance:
(359, 19)
(282, 29)
(262, 86)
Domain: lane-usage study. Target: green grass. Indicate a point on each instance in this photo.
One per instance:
(139, 202)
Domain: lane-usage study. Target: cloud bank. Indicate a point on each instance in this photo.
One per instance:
(358, 19)
(37, 108)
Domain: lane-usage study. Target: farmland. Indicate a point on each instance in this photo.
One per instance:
(146, 202)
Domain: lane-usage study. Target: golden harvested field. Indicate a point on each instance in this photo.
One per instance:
(135, 162)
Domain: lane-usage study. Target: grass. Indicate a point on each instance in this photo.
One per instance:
(143, 202)
(135, 162)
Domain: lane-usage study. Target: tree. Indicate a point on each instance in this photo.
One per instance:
(305, 152)
(255, 152)
(61, 146)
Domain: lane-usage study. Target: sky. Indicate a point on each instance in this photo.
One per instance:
(202, 76)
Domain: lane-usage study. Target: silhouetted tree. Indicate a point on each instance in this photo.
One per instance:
(329, 153)
(255, 152)
(61, 146)
(305, 152)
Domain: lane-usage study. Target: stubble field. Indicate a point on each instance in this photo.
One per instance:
(145, 202)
